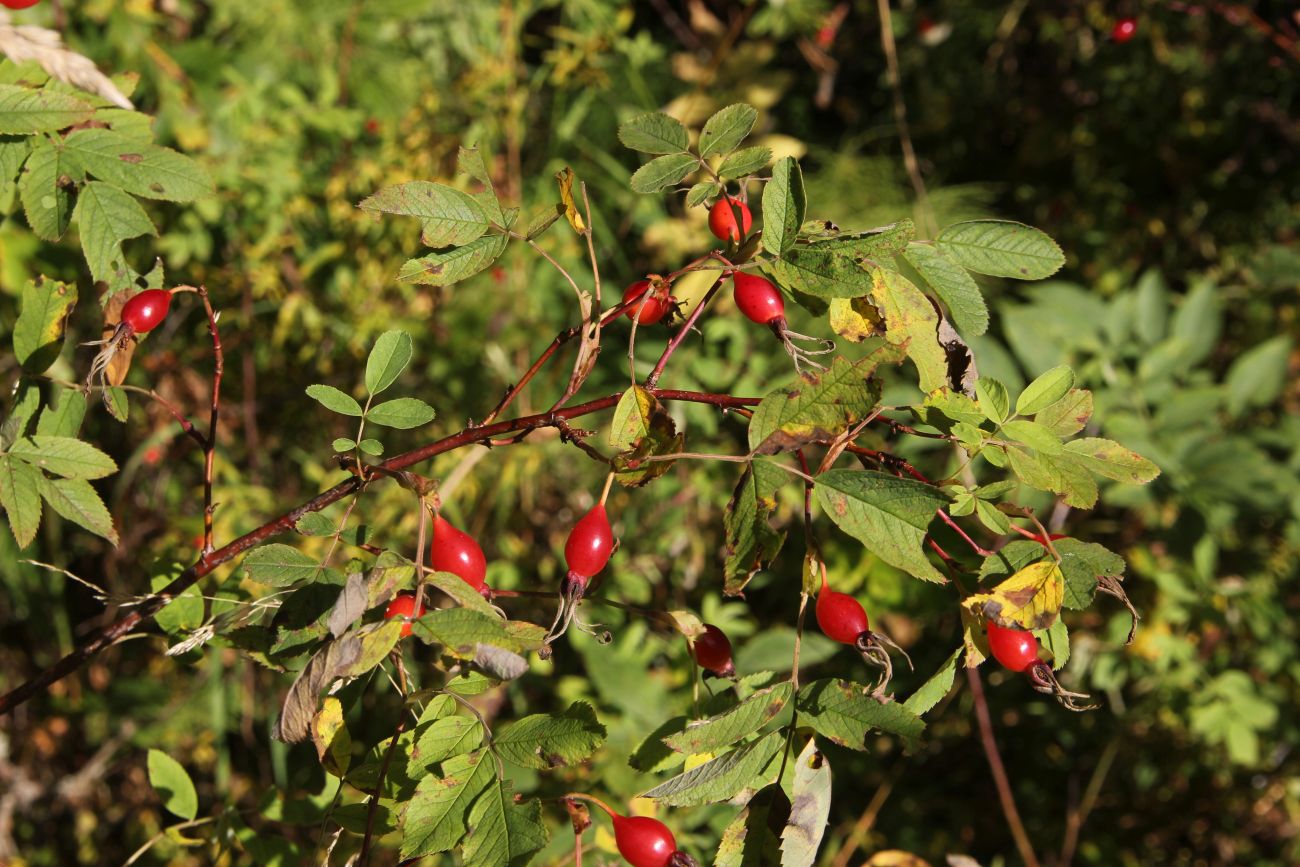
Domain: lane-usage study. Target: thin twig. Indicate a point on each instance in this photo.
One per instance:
(210, 447)
(1000, 780)
(653, 379)
(900, 114)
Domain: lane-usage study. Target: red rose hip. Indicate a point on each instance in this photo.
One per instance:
(456, 552)
(1016, 649)
(1124, 30)
(590, 543)
(145, 310)
(652, 309)
(722, 218)
(841, 616)
(18, 4)
(643, 841)
(758, 298)
(712, 650)
(403, 605)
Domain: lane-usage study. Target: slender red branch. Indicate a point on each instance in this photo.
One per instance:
(999, 770)
(210, 444)
(653, 379)
(149, 606)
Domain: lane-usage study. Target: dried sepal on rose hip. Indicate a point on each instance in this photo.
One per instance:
(142, 313)
(1017, 650)
(842, 618)
(761, 302)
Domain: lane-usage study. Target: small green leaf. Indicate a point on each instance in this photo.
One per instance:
(20, 495)
(106, 217)
(546, 741)
(751, 543)
(448, 217)
(26, 111)
(654, 133)
(371, 447)
(38, 333)
(992, 518)
(720, 779)
(279, 565)
(1068, 415)
(64, 456)
(1258, 375)
(784, 203)
(334, 400)
(994, 401)
(702, 192)
(1046, 390)
(726, 129)
(935, 688)
(887, 514)
(173, 785)
(730, 726)
(63, 417)
(185, 611)
(46, 189)
(139, 168)
(663, 172)
(745, 162)
(389, 357)
(442, 739)
(436, 817)
(402, 413)
(343, 444)
(956, 289)
(461, 630)
(455, 264)
(78, 502)
(1001, 248)
(844, 713)
(1032, 434)
(1110, 459)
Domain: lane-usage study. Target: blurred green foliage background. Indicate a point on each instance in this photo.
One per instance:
(1166, 166)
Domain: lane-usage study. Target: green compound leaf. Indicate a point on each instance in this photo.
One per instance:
(391, 354)
(722, 778)
(451, 266)
(1046, 390)
(448, 217)
(78, 502)
(64, 456)
(844, 713)
(784, 202)
(334, 400)
(955, 287)
(139, 168)
(727, 129)
(745, 162)
(1001, 248)
(20, 495)
(436, 817)
(817, 408)
(663, 172)
(654, 133)
(24, 111)
(887, 514)
(173, 785)
(730, 726)
(752, 544)
(402, 413)
(38, 333)
(545, 741)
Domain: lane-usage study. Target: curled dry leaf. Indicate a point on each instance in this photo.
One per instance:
(45, 47)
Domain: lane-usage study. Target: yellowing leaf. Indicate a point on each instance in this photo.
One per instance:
(330, 734)
(1029, 599)
(911, 321)
(565, 178)
(854, 319)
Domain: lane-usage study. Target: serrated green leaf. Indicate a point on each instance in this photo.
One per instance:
(448, 217)
(784, 203)
(1032, 434)
(391, 354)
(545, 740)
(20, 495)
(720, 779)
(1046, 390)
(726, 129)
(844, 713)
(13, 153)
(745, 162)
(751, 542)
(912, 324)
(45, 187)
(1082, 563)
(436, 817)
(819, 273)
(442, 739)
(730, 726)
(173, 785)
(456, 264)
(279, 565)
(702, 192)
(817, 408)
(118, 406)
(461, 630)
(889, 515)
(334, 400)
(1056, 640)
(955, 287)
(936, 686)
(1258, 375)
(402, 413)
(139, 168)
(77, 501)
(663, 172)
(1001, 248)
(64, 456)
(26, 111)
(992, 518)
(38, 332)
(1068, 415)
(106, 217)
(654, 133)
(502, 832)
(810, 808)
(1110, 459)
(994, 401)
(63, 417)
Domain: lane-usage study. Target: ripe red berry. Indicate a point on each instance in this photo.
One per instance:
(649, 311)
(145, 310)
(643, 841)
(1124, 30)
(19, 4)
(758, 298)
(403, 605)
(590, 543)
(722, 218)
(456, 552)
(1016, 649)
(712, 650)
(841, 616)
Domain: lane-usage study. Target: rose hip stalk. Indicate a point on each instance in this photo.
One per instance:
(761, 302)
(843, 619)
(1017, 650)
(142, 313)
